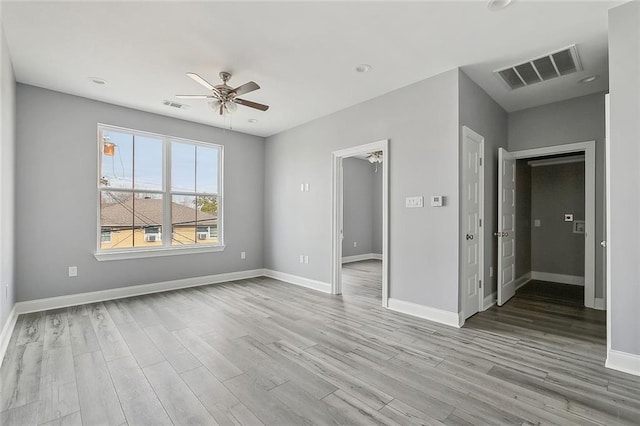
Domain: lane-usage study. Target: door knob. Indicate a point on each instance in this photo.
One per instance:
(469, 237)
(603, 243)
(501, 234)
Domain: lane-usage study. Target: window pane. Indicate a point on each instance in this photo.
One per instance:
(183, 167)
(130, 220)
(116, 215)
(116, 160)
(207, 217)
(183, 220)
(147, 212)
(206, 169)
(147, 170)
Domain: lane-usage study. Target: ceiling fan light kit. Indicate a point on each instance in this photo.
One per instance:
(375, 157)
(225, 98)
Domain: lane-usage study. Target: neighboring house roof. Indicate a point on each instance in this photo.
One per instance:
(148, 212)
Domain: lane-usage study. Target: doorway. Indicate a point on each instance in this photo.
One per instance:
(508, 280)
(550, 243)
(338, 222)
(362, 226)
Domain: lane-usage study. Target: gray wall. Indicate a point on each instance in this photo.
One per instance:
(57, 196)
(7, 182)
(484, 116)
(523, 218)
(360, 207)
(575, 120)
(624, 247)
(421, 122)
(556, 190)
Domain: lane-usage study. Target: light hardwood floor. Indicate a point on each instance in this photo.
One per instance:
(260, 351)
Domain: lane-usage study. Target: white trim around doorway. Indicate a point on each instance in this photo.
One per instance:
(337, 213)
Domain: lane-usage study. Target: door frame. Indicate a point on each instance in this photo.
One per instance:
(607, 242)
(466, 131)
(338, 213)
(589, 149)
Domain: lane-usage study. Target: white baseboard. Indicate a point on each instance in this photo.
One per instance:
(7, 331)
(452, 319)
(623, 361)
(600, 304)
(557, 278)
(522, 280)
(489, 301)
(359, 257)
(138, 290)
(298, 280)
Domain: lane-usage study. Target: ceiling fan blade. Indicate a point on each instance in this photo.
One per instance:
(202, 81)
(196, 97)
(250, 104)
(246, 88)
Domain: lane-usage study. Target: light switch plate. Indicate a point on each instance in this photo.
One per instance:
(536, 223)
(437, 200)
(413, 202)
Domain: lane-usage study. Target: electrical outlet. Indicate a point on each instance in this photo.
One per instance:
(355, 244)
(306, 260)
(301, 258)
(243, 255)
(73, 271)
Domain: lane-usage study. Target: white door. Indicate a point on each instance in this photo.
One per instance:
(472, 202)
(506, 226)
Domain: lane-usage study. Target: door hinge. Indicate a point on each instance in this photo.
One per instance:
(481, 161)
(480, 283)
(480, 222)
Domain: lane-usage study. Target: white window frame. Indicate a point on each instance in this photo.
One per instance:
(166, 249)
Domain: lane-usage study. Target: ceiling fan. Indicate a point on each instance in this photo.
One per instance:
(224, 98)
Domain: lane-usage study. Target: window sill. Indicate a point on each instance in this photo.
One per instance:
(156, 252)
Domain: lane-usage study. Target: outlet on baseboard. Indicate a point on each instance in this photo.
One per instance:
(355, 244)
(243, 255)
(73, 271)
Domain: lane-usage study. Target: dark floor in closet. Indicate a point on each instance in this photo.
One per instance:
(553, 292)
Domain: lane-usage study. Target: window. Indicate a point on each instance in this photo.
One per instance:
(149, 183)
(105, 235)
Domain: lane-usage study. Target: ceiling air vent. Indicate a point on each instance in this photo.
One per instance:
(556, 64)
(174, 104)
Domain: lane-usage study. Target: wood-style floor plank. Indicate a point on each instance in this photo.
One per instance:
(139, 402)
(179, 402)
(263, 352)
(99, 402)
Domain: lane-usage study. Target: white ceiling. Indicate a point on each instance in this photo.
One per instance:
(302, 54)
